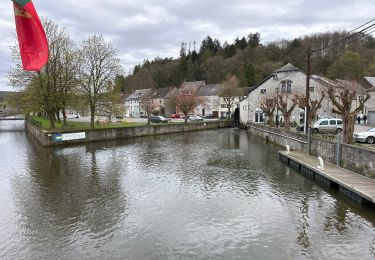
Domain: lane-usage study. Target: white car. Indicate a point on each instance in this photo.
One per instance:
(195, 118)
(328, 125)
(366, 137)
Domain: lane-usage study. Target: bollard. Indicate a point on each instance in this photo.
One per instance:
(320, 164)
(338, 151)
(287, 149)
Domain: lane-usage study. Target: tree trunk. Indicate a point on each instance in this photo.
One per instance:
(58, 117)
(64, 116)
(51, 118)
(348, 122)
(148, 119)
(92, 117)
(271, 121)
(186, 118)
(287, 122)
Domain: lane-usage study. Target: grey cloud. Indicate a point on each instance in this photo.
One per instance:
(149, 28)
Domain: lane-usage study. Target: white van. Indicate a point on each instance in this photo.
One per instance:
(328, 125)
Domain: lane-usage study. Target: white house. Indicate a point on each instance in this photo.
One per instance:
(132, 106)
(211, 105)
(235, 103)
(287, 81)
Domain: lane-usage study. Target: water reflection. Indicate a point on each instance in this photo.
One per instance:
(206, 195)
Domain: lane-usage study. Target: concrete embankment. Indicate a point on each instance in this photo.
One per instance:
(355, 186)
(55, 138)
(353, 158)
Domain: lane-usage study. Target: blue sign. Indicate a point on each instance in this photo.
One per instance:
(57, 137)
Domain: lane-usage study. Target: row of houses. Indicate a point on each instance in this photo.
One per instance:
(290, 81)
(287, 81)
(163, 100)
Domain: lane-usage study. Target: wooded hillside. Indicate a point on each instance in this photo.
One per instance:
(251, 61)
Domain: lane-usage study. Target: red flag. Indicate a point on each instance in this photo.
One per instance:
(31, 36)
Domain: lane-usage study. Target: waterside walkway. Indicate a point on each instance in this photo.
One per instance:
(355, 186)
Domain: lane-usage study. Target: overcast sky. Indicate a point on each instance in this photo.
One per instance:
(149, 28)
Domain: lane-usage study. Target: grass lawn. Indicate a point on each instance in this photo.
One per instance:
(44, 122)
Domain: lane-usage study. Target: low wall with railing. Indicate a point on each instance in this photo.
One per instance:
(358, 159)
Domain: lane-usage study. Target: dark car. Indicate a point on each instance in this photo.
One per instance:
(300, 127)
(159, 119)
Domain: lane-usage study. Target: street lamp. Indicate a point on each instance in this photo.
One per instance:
(277, 107)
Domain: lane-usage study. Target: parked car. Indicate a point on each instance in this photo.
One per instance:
(159, 119)
(209, 116)
(366, 137)
(328, 125)
(195, 118)
(175, 116)
(300, 127)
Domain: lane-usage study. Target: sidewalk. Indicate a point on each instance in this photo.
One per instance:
(349, 182)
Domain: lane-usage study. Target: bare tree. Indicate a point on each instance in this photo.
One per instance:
(268, 105)
(230, 92)
(98, 65)
(287, 110)
(315, 105)
(342, 99)
(186, 102)
(147, 105)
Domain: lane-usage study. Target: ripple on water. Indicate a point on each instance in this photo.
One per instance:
(205, 195)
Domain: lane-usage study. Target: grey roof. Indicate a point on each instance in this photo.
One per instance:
(210, 90)
(162, 92)
(287, 68)
(193, 86)
(246, 90)
(370, 80)
(139, 93)
(351, 83)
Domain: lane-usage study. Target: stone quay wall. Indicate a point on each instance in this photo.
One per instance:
(354, 158)
(46, 138)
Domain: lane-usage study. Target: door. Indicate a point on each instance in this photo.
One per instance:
(258, 117)
(332, 125)
(323, 126)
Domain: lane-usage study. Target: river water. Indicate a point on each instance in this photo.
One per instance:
(218, 194)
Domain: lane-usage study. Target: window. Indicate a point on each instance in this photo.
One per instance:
(263, 91)
(339, 122)
(289, 87)
(286, 87)
(283, 87)
(332, 122)
(312, 89)
(324, 122)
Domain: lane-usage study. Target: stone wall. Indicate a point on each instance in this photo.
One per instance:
(354, 158)
(45, 137)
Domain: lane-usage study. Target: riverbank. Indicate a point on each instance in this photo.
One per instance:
(358, 159)
(66, 137)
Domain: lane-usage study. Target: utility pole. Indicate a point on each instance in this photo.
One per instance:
(307, 105)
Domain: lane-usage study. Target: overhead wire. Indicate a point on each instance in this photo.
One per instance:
(345, 39)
